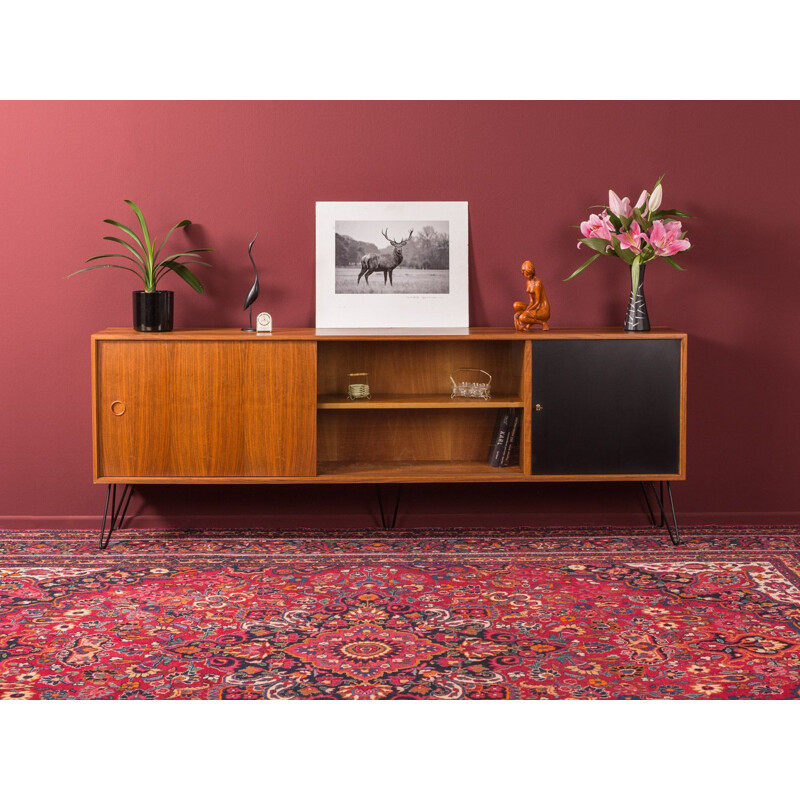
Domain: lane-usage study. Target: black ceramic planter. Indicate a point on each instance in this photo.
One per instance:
(152, 311)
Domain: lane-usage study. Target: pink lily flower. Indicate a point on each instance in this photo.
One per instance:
(666, 239)
(619, 208)
(632, 239)
(641, 203)
(598, 226)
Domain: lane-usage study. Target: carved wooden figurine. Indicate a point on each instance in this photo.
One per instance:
(537, 310)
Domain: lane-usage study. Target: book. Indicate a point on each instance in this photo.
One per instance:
(495, 431)
(511, 446)
(499, 437)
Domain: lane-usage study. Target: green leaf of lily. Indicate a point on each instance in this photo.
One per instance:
(675, 263)
(601, 245)
(637, 215)
(583, 266)
(671, 212)
(626, 255)
(635, 274)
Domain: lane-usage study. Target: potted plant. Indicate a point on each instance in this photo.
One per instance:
(152, 307)
(635, 235)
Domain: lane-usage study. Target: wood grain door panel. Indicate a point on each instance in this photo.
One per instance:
(205, 409)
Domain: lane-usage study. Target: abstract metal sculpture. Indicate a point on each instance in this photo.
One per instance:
(253, 293)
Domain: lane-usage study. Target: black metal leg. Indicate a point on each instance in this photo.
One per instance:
(111, 487)
(677, 537)
(125, 507)
(384, 524)
(649, 507)
(117, 511)
(658, 493)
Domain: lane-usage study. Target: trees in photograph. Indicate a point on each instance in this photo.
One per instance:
(349, 251)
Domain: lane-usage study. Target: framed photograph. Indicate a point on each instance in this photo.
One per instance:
(392, 265)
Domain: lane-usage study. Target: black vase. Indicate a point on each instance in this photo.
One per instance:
(636, 318)
(152, 311)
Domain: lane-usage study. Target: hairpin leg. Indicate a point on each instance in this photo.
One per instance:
(125, 507)
(677, 537)
(649, 507)
(658, 493)
(118, 511)
(385, 524)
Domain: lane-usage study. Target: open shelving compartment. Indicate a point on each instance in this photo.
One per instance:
(411, 428)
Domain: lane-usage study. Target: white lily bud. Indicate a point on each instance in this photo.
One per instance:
(614, 203)
(641, 203)
(655, 199)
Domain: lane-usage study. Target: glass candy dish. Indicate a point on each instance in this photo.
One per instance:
(472, 383)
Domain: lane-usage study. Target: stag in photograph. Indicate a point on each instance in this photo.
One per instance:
(385, 263)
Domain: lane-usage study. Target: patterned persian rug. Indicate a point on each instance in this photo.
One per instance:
(446, 614)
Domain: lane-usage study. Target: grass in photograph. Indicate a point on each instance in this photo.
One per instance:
(406, 281)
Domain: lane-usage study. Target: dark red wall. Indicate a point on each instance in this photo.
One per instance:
(529, 170)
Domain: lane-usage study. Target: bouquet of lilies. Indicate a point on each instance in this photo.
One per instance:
(634, 233)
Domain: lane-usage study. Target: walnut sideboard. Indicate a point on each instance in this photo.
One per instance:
(224, 406)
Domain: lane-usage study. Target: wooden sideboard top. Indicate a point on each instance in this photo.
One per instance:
(406, 334)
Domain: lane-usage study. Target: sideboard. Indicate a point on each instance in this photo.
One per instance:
(224, 406)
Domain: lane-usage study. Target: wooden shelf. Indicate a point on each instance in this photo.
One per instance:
(418, 471)
(417, 401)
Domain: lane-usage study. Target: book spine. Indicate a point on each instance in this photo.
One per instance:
(500, 440)
(513, 460)
(511, 440)
(493, 441)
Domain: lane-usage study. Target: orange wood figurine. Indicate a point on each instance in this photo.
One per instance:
(537, 310)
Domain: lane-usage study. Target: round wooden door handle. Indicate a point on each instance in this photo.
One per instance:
(118, 408)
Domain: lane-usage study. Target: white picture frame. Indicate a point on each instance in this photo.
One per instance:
(419, 291)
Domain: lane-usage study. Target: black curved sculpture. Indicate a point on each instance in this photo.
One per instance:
(253, 293)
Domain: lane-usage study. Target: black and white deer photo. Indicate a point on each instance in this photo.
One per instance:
(390, 257)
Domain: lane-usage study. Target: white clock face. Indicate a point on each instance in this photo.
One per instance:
(264, 322)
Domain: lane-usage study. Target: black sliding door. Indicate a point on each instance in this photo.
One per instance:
(606, 407)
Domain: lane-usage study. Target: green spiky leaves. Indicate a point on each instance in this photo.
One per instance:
(146, 258)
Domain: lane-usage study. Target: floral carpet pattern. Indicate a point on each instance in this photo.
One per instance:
(439, 614)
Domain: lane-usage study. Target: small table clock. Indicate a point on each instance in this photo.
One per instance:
(264, 323)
